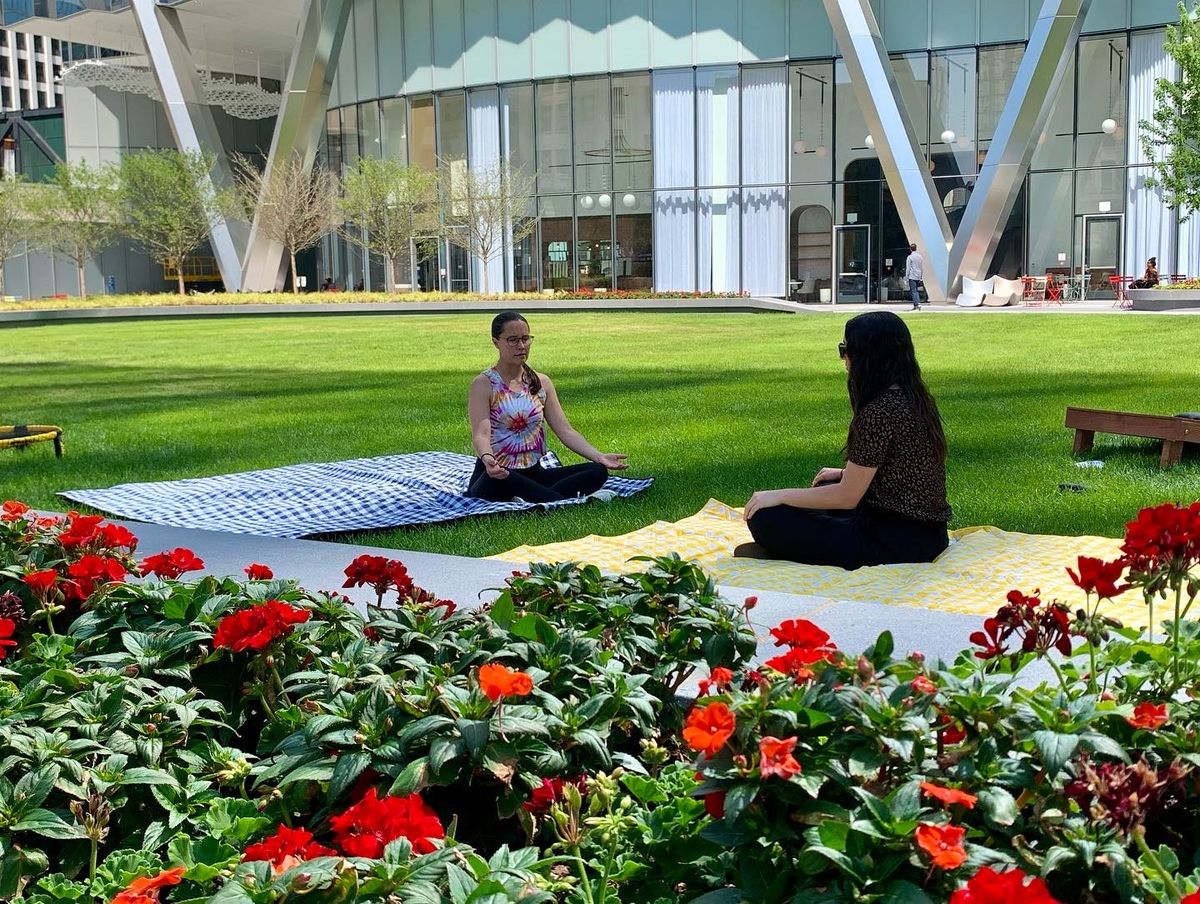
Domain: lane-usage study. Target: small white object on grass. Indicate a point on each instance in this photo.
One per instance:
(1089, 464)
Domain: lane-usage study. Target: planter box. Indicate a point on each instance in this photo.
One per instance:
(1164, 299)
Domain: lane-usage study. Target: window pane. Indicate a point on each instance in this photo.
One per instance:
(554, 136)
(368, 117)
(717, 125)
(333, 140)
(720, 240)
(675, 240)
(556, 243)
(452, 127)
(423, 138)
(1050, 207)
(997, 72)
(852, 146)
(812, 123)
(952, 91)
(810, 266)
(635, 243)
(517, 118)
(912, 72)
(593, 141)
(594, 245)
(1056, 145)
(1100, 125)
(631, 132)
(395, 129)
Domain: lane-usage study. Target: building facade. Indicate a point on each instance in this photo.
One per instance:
(723, 145)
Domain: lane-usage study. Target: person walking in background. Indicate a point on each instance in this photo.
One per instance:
(914, 272)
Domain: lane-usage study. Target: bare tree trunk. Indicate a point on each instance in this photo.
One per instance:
(484, 270)
(179, 275)
(80, 264)
(389, 275)
(2, 263)
(295, 281)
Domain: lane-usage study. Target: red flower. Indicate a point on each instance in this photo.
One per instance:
(720, 678)
(943, 844)
(1163, 537)
(8, 628)
(750, 602)
(1041, 626)
(170, 565)
(91, 571)
(776, 758)
(449, 605)
(798, 632)
(923, 685)
(708, 728)
(366, 828)
(1099, 577)
(379, 573)
(1193, 898)
(81, 529)
(714, 801)
(795, 662)
(254, 628)
(551, 791)
(287, 848)
(949, 796)
(256, 572)
(990, 887)
(499, 681)
(1150, 716)
(41, 582)
(114, 536)
(145, 890)
(949, 731)
(13, 510)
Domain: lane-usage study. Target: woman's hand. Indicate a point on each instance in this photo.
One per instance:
(614, 461)
(493, 468)
(828, 475)
(763, 499)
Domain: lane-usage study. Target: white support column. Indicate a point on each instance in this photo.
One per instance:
(301, 121)
(191, 119)
(1051, 46)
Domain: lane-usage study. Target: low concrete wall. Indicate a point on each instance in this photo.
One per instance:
(1164, 299)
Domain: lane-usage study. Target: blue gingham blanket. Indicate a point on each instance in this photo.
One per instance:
(321, 498)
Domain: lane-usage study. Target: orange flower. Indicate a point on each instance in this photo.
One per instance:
(145, 890)
(498, 681)
(776, 758)
(949, 796)
(12, 510)
(943, 844)
(923, 685)
(708, 728)
(720, 678)
(1150, 716)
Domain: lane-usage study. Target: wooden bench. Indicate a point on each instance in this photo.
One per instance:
(17, 436)
(1173, 431)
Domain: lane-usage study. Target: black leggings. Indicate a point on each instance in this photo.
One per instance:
(538, 484)
(848, 539)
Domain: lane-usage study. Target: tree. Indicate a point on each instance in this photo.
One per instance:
(487, 208)
(15, 204)
(170, 203)
(1171, 141)
(296, 205)
(387, 207)
(76, 214)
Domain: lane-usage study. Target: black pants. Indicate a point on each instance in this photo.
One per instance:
(848, 539)
(538, 484)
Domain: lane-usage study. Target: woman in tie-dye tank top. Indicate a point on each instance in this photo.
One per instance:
(509, 406)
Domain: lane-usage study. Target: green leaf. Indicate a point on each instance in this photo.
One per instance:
(1056, 749)
(998, 807)
(412, 778)
(443, 750)
(646, 790)
(737, 799)
(882, 651)
(532, 626)
(49, 825)
(140, 775)
(902, 892)
(502, 611)
(349, 766)
(34, 787)
(475, 735)
(720, 896)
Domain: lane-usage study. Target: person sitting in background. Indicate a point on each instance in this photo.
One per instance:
(888, 504)
(1150, 278)
(509, 405)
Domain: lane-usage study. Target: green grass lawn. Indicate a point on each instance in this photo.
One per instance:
(713, 405)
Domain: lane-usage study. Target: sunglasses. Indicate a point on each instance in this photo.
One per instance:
(841, 349)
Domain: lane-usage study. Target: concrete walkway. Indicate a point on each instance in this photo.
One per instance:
(319, 566)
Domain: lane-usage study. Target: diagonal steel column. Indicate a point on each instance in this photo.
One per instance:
(1025, 114)
(191, 120)
(888, 122)
(301, 122)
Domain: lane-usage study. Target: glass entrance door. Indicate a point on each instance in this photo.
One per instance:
(1102, 238)
(852, 264)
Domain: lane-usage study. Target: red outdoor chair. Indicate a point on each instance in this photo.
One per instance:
(1053, 290)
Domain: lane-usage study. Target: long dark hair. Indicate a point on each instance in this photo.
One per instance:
(881, 354)
(532, 380)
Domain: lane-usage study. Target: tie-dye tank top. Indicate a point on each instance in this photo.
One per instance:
(518, 427)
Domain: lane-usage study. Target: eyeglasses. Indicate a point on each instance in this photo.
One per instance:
(841, 349)
(515, 341)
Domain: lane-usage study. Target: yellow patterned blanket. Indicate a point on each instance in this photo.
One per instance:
(972, 577)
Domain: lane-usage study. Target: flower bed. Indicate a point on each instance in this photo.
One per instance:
(252, 741)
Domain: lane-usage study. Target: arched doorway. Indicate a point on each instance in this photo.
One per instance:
(811, 267)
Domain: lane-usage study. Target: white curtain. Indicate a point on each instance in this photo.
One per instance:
(764, 162)
(717, 146)
(675, 173)
(1149, 224)
(484, 153)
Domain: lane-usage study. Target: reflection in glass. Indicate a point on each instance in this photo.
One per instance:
(812, 122)
(1056, 145)
(997, 71)
(594, 259)
(554, 136)
(912, 74)
(452, 128)
(952, 116)
(350, 137)
(593, 140)
(1100, 122)
(1050, 205)
(423, 138)
(635, 243)
(557, 272)
(632, 159)
(333, 141)
(395, 129)
(517, 123)
(851, 136)
(368, 118)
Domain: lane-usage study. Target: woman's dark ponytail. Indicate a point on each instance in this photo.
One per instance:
(532, 380)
